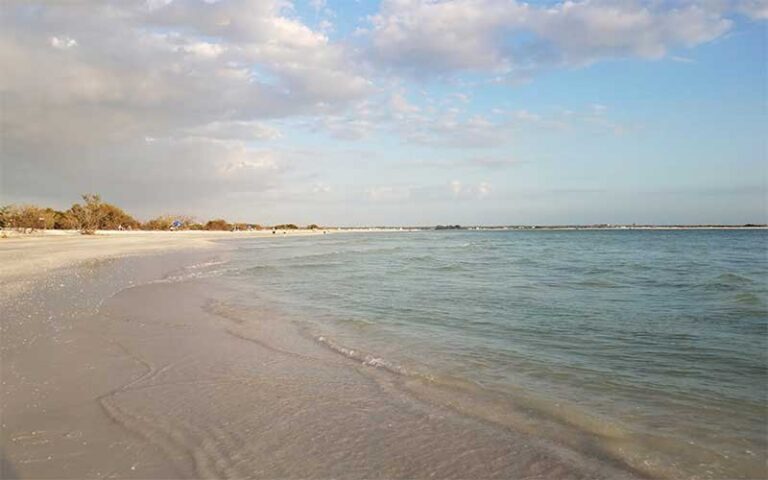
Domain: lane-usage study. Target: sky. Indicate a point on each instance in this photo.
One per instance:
(390, 112)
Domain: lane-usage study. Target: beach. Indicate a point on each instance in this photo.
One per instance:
(28, 254)
(214, 355)
(117, 362)
(390, 239)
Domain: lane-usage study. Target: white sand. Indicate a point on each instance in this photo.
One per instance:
(28, 254)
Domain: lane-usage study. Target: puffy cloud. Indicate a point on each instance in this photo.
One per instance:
(260, 32)
(162, 101)
(755, 9)
(588, 31)
(452, 124)
(468, 191)
(511, 37)
(63, 43)
(141, 91)
(357, 123)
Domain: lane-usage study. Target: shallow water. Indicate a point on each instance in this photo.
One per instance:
(153, 367)
(643, 346)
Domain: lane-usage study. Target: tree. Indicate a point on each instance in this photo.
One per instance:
(165, 222)
(5, 211)
(218, 224)
(46, 218)
(26, 218)
(162, 222)
(64, 221)
(113, 218)
(89, 215)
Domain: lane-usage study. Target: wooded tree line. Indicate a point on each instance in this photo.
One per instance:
(94, 214)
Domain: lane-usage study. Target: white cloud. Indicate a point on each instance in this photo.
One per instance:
(388, 193)
(512, 38)
(182, 98)
(159, 93)
(235, 130)
(63, 43)
(447, 124)
(204, 49)
(357, 123)
(246, 161)
(320, 187)
(755, 9)
(456, 187)
(400, 105)
(484, 189)
(469, 191)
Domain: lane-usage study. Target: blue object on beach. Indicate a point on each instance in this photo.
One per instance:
(176, 224)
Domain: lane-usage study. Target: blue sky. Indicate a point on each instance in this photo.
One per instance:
(399, 112)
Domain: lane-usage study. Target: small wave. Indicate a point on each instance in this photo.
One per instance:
(748, 299)
(197, 270)
(731, 279)
(211, 263)
(369, 359)
(259, 268)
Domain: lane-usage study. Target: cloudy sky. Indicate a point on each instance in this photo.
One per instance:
(389, 112)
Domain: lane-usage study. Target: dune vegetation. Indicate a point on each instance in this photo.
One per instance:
(93, 214)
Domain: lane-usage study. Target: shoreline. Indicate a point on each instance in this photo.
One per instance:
(107, 300)
(42, 251)
(110, 370)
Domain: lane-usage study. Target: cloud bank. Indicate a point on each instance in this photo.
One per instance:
(173, 100)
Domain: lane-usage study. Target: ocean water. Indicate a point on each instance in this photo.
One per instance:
(649, 347)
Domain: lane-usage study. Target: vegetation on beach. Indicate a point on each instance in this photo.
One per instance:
(94, 214)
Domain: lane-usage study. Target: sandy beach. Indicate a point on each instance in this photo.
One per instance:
(119, 362)
(391, 239)
(28, 254)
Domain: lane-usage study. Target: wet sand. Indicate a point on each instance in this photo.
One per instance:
(108, 372)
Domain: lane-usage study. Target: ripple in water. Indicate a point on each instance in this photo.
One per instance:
(650, 345)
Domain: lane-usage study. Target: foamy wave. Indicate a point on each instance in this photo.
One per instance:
(211, 263)
(365, 359)
(371, 360)
(197, 270)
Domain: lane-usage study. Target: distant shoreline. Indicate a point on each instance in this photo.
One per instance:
(561, 227)
(210, 234)
(48, 249)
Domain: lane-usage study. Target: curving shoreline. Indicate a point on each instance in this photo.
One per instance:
(39, 252)
(155, 354)
(108, 372)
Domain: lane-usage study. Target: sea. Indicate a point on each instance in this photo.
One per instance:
(647, 346)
